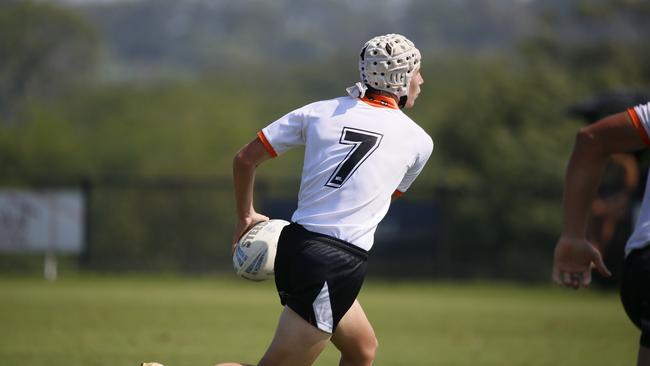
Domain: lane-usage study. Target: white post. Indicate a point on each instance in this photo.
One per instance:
(50, 266)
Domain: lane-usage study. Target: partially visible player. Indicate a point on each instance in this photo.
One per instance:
(574, 255)
(360, 150)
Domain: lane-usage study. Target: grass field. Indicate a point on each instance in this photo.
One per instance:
(181, 322)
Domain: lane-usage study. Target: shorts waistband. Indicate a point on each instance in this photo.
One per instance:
(335, 242)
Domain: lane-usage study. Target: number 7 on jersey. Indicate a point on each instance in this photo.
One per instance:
(364, 143)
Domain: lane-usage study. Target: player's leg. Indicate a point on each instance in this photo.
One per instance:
(296, 343)
(644, 356)
(355, 338)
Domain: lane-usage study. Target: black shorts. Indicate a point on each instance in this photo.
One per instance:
(635, 291)
(318, 276)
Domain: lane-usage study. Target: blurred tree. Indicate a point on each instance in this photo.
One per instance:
(497, 113)
(44, 49)
(501, 138)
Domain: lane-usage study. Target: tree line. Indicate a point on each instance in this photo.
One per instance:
(499, 121)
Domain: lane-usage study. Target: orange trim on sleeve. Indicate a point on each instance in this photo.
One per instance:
(397, 194)
(638, 125)
(267, 144)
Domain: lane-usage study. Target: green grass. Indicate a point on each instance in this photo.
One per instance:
(179, 321)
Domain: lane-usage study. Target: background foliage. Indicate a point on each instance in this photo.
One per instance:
(147, 101)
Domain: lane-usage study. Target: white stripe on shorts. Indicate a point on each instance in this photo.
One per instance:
(323, 310)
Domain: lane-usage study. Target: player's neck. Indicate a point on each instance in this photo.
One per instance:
(381, 98)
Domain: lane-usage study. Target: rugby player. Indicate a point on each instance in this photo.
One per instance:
(574, 255)
(361, 150)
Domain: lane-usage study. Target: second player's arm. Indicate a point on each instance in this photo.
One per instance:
(593, 147)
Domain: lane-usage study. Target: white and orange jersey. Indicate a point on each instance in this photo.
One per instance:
(358, 153)
(640, 116)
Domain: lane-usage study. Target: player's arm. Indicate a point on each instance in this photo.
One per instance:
(244, 166)
(574, 256)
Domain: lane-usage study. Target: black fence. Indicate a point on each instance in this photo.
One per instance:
(185, 226)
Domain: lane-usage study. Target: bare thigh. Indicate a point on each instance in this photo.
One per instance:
(296, 342)
(355, 338)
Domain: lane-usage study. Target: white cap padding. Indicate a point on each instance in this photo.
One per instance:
(388, 63)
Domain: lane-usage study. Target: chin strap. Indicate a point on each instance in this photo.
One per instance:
(402, 102)
(357, 90)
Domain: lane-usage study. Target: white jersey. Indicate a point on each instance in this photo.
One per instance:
(640, 116)
(357, 154)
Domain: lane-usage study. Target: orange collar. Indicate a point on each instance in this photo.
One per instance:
(381, 101)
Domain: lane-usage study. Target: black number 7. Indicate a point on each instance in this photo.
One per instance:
(363, 144)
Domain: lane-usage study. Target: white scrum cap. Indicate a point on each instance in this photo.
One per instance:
(388, 63)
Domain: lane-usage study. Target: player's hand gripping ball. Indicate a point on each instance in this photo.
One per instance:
(255, 252)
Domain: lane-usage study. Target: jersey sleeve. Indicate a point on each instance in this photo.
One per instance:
(424, 152)
(640, 116)
(284, 133)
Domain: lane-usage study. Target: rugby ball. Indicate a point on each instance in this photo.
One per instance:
(254, 254)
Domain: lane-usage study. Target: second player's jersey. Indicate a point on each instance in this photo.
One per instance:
(640, 238)
(357, 154)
